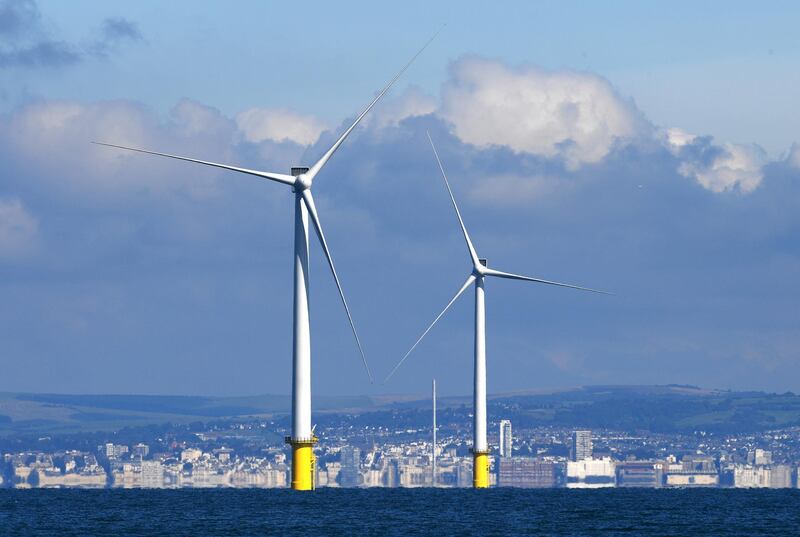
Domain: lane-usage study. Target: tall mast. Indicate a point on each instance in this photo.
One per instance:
(433, 448)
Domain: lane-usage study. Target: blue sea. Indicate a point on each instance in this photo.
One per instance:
(351, 512)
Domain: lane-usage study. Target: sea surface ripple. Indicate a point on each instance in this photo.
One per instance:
(349, 512)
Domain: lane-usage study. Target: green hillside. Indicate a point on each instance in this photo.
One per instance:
(667, 409)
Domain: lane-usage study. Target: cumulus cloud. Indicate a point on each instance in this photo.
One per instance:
(678, 138)
(279, 125)
(66, 128)
(17, 228)
(575, 116)
(194, 118)
(413, 102)
(198, 274)
(737, 167)
(207, 277)
(63, 131)
(719, 168)
(578, 119)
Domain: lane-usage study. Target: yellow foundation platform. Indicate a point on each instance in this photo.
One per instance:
(480, 469)
(304, 463)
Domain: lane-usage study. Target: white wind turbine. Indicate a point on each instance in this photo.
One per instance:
(480, 271)
(300, 180)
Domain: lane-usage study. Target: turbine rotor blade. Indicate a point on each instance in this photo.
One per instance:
(328, 154)
(472, 253)
(279, 177)
(508, 275)
(467, 283)
(308, 199)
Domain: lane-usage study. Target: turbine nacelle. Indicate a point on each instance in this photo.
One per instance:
(481, 268)
(302, 179)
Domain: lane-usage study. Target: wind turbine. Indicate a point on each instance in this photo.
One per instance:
(301, 179)
(480, 270)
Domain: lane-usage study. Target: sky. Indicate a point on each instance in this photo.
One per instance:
(643, 148)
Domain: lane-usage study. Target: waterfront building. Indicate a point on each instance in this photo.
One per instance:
(38, 470)
(86, 478)
(777, 476)
(448, 470)
(331, 473)
(464, 472)
(527, 472)
(750, 476)
(350, 472)
(152, 474)
(581, 445)
(252, 472)
(692, 471)
(780, 476)
(372, 478)
(591, 473)
(505, 438)
(639, 474)
(392, 474)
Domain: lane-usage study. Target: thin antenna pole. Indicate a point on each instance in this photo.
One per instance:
(433, 449)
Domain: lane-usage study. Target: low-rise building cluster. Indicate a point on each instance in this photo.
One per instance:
(45, 470)
(375, 457)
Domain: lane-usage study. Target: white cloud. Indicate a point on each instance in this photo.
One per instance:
(18, 228)
(63, 131)
(677, 138)
(279, 125)
(198, 119)
(53, 140)
(413, 102)
(737, 167)
(575, 116)
(718, 168)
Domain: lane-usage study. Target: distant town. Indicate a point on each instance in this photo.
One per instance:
(246, 454)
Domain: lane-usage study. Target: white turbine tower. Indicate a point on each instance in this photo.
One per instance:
(480, 270)
(302, 439)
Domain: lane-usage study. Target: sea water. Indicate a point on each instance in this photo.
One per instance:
(350, 512)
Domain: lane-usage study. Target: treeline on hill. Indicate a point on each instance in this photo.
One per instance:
(659, 411)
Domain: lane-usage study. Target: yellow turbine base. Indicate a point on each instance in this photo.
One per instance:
(303, 464)
(480, 470)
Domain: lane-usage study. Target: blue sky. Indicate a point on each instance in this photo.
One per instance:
(638, 147)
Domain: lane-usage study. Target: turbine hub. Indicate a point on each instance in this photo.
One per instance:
(301, 180)
(480, 268)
